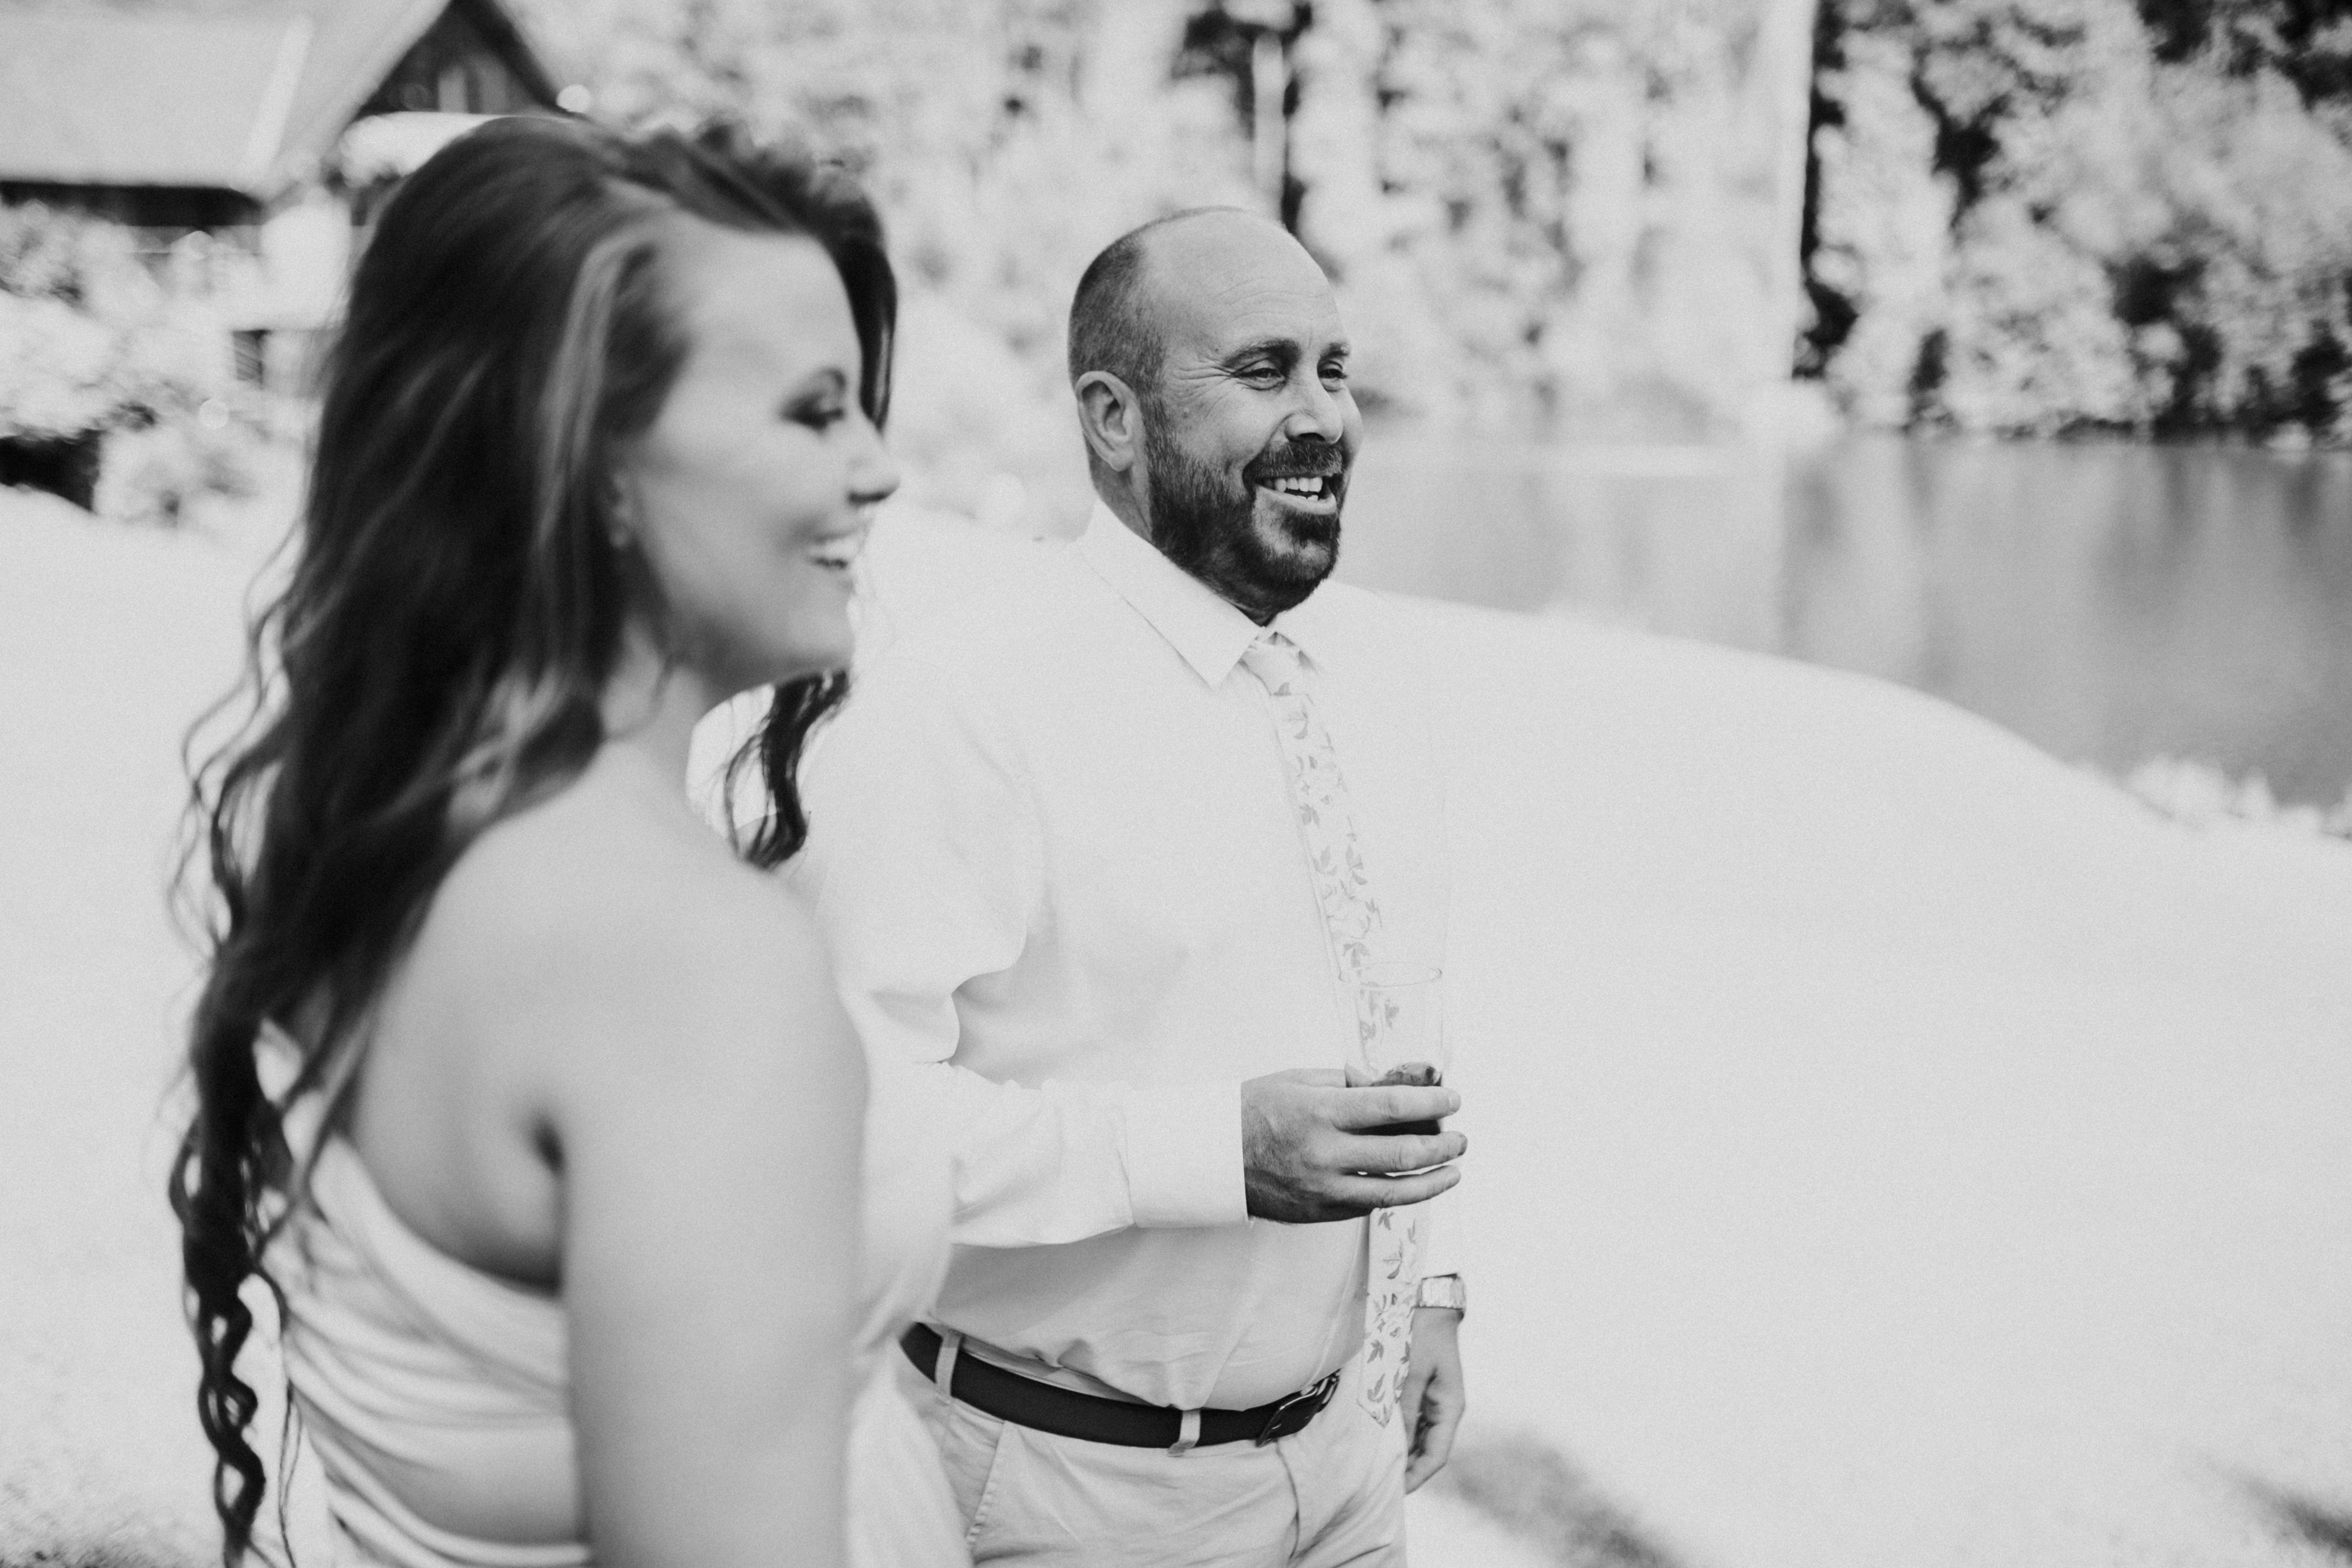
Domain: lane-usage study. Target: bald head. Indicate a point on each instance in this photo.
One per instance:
(1120, 318)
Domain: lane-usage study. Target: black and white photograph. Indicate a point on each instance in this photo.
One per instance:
(1176, 784)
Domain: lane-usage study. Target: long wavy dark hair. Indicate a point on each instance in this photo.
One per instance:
(455, 611)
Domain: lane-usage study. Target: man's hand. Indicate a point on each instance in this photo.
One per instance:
(1433, 1399)
(1305, 1148)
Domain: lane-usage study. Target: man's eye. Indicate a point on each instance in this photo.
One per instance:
(1269, 373)
(1335, 371)
(819, 416)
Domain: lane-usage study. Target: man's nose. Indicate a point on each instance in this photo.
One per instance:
(1317, 413)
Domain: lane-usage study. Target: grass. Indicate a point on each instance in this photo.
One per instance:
(1535, 1492)
(105, 1555)
(2311, 1523)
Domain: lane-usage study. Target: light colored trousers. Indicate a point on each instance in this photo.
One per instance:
(1331, 1496)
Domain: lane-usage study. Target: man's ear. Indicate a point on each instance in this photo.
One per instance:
(1112, 418)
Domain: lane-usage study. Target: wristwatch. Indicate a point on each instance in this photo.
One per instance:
(1443, 1291)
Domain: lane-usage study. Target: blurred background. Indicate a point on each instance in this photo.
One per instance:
(1999, 347)
(1916, 1153)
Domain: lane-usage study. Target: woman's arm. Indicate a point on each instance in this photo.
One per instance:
(707, 1117)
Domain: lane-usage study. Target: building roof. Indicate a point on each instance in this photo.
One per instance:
(234, 95)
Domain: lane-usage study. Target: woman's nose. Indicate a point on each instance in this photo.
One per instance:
(874, 473)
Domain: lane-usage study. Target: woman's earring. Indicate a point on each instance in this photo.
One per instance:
(617, 528)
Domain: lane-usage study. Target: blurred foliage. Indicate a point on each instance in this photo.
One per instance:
(98, 347)
(1007, 140)
(1538, 213)
(1551, 214)
(1578, 217)
(2047, 216)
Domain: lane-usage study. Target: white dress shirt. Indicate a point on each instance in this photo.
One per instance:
(1052, 846)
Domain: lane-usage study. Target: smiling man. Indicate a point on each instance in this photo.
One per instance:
(1241, 398)
(1108, 853)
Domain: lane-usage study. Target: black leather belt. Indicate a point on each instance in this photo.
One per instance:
(1067, 1413)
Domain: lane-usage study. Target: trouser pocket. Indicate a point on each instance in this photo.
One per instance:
(971, 1443)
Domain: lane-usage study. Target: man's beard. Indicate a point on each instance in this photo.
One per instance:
(1208, 525)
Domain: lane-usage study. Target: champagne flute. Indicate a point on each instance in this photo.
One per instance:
(1400, 1034)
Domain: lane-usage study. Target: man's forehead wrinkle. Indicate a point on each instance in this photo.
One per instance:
(1223, 323)
(1232, 288)
(1205, 297)
(1283, 344)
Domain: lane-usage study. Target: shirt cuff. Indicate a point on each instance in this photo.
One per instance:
(1184, 1156)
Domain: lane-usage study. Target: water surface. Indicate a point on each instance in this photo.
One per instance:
(2110, 602)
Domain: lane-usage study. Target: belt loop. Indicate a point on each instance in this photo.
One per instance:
(943, 1370)
(1187, 1432)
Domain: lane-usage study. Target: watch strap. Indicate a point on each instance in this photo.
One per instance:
(1443, 1291)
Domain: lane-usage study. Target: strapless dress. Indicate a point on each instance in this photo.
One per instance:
(435, 1399)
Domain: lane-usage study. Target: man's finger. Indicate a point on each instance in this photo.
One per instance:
(1433, 1445)
(1416, 1388)
(1361, 1194)
(1410, 1152)
(1384, 1105)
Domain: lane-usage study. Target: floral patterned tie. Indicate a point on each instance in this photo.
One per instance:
(1334, 858)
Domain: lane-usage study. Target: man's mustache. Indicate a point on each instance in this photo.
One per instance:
(1295, 460)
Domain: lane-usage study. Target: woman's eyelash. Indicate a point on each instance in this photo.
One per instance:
(818, 416)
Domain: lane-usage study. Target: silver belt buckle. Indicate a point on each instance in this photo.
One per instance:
(1304, 1405)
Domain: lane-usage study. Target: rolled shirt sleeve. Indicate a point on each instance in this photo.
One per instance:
(924, 868)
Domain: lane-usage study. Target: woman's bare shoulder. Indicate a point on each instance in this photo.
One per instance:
(598, 912)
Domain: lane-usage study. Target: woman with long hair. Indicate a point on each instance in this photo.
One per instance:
(527, 1100)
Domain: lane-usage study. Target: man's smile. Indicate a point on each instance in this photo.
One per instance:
(1317, 493)
(1310, 481)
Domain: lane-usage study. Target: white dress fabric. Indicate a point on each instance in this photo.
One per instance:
(435, 1396)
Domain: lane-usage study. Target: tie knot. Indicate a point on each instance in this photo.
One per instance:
(1274, 659)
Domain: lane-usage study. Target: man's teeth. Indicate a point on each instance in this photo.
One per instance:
(1303, 485)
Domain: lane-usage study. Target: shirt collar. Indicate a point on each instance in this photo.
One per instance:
(1201, 625)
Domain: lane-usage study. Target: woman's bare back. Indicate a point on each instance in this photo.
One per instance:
(609, 903)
